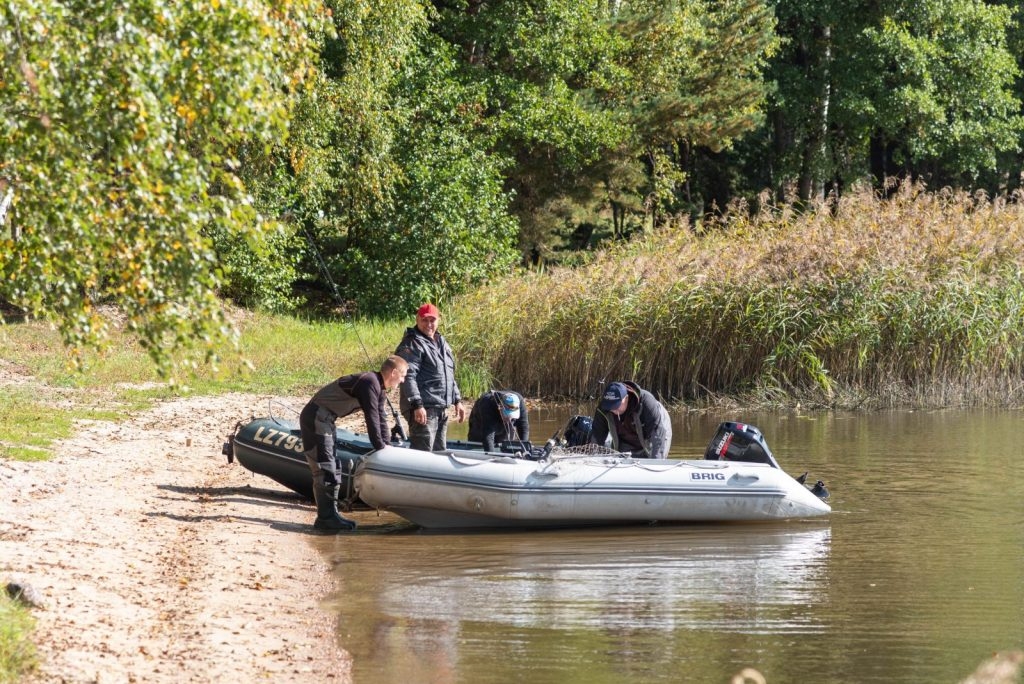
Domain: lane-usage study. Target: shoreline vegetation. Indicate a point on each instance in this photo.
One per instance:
(914, 301)
(909, 302)
(17, 650)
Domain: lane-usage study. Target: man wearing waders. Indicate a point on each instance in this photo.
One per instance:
(366, 391)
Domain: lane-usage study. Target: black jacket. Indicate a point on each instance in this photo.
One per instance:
(487, 425)
(430, 382)
(644, 417)
(348, 394)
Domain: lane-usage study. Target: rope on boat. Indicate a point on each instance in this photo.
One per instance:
(463, 460)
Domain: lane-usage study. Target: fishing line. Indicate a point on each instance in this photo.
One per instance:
(399, 430)
(516, 437)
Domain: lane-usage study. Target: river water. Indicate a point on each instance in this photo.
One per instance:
(916, 576)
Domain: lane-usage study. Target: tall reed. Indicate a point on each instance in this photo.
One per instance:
(913, 300)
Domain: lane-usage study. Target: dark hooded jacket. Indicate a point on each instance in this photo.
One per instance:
(487, 425)
(430, 382)
(644, 429)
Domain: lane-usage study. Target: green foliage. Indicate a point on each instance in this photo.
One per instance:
(416, 208)
(546, 68)
(118, 121)
(383, 171)
(448, 227)
(456, 235)
(594, 103)
(923, 88)
(698, 70)
(354, 101)
(162, 156)
(944, 83)
(259, 273)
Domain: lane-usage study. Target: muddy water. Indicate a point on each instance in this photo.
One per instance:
(917, 576)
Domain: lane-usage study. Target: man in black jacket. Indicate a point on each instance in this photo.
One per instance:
(429, 388)
(637, 422)
(498, 417)
(317, 421)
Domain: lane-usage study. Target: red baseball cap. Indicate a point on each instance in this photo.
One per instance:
(428, 310)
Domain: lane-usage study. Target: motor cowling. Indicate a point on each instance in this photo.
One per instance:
(739, 442)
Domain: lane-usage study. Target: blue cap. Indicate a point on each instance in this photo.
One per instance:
(510, 405)
(613, 396)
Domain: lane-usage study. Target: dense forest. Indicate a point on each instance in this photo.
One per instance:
(160, 156)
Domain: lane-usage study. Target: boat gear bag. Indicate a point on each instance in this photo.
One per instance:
(577, 432)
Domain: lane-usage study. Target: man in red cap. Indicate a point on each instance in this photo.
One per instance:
(429, 387)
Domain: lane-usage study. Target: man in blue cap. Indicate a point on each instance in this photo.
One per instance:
(498, 417)
(637, 422)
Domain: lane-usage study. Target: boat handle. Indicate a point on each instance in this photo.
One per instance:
(476, 461)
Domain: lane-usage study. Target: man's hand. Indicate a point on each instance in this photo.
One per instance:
(460, 413)
(420, 415)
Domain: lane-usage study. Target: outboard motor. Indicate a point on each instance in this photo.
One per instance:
(577, 431)
(739, 442)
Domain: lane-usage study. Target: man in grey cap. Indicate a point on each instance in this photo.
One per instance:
(637, 422)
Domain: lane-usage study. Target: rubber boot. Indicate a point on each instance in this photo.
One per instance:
(327, 517)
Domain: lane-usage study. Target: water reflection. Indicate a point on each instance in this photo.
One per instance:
(440, 594)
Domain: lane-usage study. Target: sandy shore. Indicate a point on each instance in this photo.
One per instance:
(157, 561)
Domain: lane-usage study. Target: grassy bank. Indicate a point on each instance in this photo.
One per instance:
(276, 355)
(915, 301)
(17, 652)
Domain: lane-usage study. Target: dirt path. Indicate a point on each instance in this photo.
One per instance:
(157, 561)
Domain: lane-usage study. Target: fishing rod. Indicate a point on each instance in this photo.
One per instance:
(608, 370)
(398, 430)
(580, 426)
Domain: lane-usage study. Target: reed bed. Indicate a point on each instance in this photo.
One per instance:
(916, 300)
